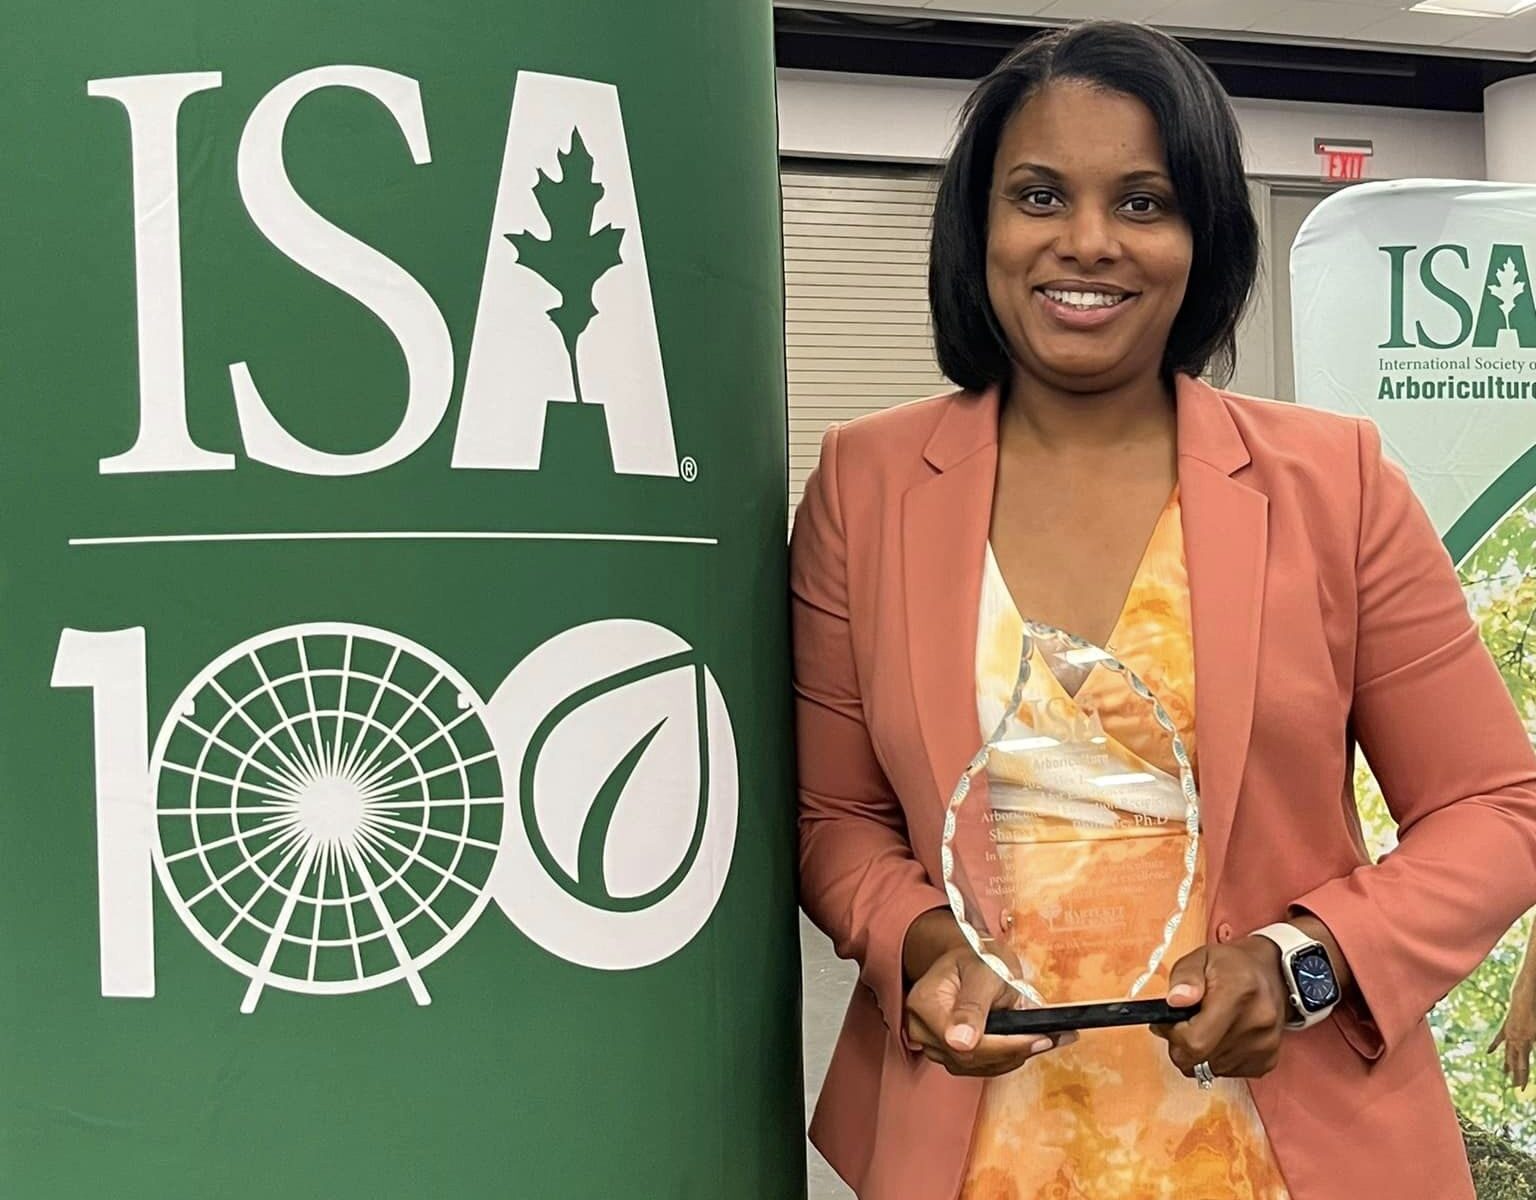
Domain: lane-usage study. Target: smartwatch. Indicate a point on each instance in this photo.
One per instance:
(1308, 974)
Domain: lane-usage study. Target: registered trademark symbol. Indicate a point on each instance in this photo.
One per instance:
(690, 469)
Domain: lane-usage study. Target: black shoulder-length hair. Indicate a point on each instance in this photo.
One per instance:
(1205, 161)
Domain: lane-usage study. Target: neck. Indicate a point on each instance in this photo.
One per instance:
(1058, 419)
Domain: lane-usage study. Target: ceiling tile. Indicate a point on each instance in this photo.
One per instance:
(1311, 18)
(1494, 43)
(1206, 14)
(1117, 10)
(1425, 29)
(1517, 35)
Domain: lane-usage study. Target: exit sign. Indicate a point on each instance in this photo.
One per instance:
(1343, 159)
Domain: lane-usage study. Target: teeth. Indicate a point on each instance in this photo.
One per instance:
(1085, 300)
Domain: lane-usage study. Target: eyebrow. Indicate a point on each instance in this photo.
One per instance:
(1055, 176)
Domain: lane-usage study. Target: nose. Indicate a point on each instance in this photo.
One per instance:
(1087, 236)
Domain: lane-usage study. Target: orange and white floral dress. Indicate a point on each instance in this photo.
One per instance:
(1110, 1118)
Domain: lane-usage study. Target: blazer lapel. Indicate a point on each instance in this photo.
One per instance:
(945, 520)
(1226, 525)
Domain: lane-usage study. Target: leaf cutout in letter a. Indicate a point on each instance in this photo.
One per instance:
(1508, 289)
(574, 256)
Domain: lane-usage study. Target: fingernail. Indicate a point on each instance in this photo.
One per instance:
(1183, 994)
(962, 1037)
(1040, 1045)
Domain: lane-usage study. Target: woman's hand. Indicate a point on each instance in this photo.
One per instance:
(1243, 1009)
(947, 1018)
(948, 1002)
(1518, 1033)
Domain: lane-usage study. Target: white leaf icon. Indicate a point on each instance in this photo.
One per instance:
(623, 788)
(1508, 289)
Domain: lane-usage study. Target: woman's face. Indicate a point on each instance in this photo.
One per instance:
(1088, 255)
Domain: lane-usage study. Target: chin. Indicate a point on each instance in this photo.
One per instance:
(1088, 365)
(1074, 374)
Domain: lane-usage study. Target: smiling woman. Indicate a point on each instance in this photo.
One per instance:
(1273, 585)
(1143, 134)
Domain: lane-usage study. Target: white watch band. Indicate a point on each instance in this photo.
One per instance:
(1292, 941)
(1286, 936)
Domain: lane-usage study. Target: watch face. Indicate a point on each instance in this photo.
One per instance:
(1314, 979)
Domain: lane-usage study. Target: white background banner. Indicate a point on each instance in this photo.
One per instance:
(1413, 305)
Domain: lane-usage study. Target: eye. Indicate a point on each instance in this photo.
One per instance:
(1037, 197)
(1144, 205)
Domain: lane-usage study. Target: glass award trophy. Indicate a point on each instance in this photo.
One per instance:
(1070, 843)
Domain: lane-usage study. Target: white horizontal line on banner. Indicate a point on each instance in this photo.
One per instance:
(451, 535)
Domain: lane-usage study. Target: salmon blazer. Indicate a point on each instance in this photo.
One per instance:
(1326, 614)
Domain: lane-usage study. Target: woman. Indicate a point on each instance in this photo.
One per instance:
(1273, 579)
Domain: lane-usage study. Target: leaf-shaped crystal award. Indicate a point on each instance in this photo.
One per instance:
(1071, 841)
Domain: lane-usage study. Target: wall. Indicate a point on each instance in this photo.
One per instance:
(886, 119)
(1509, 115)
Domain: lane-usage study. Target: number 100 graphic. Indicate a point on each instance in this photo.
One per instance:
(328, 810)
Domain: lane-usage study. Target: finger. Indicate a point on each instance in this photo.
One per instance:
(1248, 1057)
(929, 1004)
(1201, 1037)
(1186, 986)
(926, 1012)
(998, 1055)
(919, 1033)
(1186, 981)
(1251, 1047)
(1523, 1069)
(981, 990)
(1498, 1039)
(997, 1059)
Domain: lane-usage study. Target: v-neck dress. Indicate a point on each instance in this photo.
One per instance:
(1110, 1118)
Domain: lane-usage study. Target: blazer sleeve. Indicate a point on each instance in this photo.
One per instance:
(1456, 767)
(859, 879)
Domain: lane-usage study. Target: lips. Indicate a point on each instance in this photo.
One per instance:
(1083, 306)
(1085, 297)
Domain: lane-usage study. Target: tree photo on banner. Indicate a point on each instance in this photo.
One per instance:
(1413, 306)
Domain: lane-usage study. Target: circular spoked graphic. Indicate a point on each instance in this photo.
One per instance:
(329, 809)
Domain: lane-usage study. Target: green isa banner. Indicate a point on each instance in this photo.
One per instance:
(1413, 305)
(394, 770)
